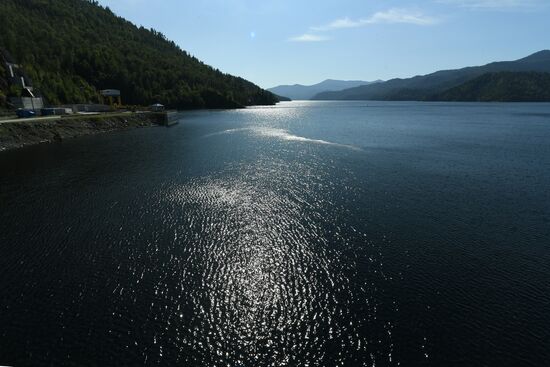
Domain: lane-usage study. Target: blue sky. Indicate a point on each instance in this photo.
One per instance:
(272, 42)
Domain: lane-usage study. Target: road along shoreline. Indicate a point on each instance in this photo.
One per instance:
(17, 134)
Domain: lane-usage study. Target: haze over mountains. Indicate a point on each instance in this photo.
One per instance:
(301, 92)
(435, 86)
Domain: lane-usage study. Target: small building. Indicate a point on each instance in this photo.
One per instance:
(27, 103)
(112, 96)
(157, 107)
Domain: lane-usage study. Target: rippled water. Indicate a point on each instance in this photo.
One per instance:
(306, 234)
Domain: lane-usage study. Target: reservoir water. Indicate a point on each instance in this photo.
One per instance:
(305, 234)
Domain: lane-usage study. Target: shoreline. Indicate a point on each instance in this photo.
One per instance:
(22, 133)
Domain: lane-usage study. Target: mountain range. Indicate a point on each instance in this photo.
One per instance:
(434, 86)
(304, 92)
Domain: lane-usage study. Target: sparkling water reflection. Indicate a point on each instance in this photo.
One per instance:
(310, 234)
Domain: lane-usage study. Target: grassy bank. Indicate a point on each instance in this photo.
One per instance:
(24, 132)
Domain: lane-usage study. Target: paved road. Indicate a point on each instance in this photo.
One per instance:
(29, 119)
(89, 114)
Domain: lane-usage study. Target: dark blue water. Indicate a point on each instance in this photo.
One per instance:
(307, 234)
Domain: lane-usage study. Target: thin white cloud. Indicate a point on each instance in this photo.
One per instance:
(402, 16)
(339, 24)
(308, 37)
(493, 4)
(391, 16)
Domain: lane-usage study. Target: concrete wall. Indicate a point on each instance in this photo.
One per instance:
(89, 108)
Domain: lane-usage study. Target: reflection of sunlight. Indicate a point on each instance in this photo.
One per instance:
(255, 291)
(269, 272)
(276, 122)
(282, 135)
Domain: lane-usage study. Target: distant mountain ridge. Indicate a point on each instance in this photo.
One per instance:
(300, 92)
(425, 87)
(501, 87)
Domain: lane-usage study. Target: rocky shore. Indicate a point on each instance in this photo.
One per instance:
(29, 132)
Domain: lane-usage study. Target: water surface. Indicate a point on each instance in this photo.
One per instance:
(306, 234)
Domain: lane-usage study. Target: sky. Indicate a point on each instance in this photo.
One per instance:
(273, 42)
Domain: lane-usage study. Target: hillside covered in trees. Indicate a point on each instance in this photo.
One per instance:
(501, 87)
(70, 49)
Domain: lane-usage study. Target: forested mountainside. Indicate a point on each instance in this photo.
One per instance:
(501, 87)
(71, 49)
(421, 88)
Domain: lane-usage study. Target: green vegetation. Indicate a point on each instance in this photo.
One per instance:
(73, 48)
(501, 87)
